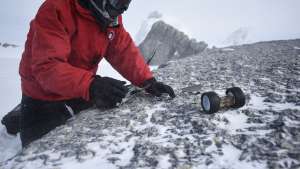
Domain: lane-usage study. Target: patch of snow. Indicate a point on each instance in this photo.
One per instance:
(230, 159)
(288, 162)
(9, 145)
(228, 49)
(258, 103)
(296, 48)
(164, 162)
(128, 153)
(153, 110)
(105, 69)
(236, 120)
(102, 154)
(93, 163)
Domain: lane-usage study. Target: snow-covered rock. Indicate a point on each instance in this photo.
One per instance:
(146, 26)
(148, 132)
(168, 43)
(238, 37)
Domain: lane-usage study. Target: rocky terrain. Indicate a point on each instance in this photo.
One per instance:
(149, 133)
(168, 43)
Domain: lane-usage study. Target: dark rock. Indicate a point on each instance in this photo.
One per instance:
(162, 65)
(277, 124)
(295, 98)
(255, 120)
(113, 159)
(294, 155)
(273, 98)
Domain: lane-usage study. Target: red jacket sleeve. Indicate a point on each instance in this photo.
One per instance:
(126, 57)
(51, 48)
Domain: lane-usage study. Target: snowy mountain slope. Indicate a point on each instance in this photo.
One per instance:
(146, 26)
(238, 37)
(166, 43)
(148, 132)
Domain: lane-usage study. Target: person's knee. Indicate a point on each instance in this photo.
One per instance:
(39, 119)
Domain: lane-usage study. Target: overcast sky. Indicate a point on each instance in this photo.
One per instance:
(208, 20)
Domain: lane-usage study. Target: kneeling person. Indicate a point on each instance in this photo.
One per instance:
(66, 41)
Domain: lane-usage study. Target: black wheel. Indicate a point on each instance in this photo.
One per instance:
(210, 102)
(239, 96)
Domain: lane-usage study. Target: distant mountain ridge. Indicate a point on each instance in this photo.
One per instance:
(7, 45)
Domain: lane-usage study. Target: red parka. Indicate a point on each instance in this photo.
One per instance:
(63, 48)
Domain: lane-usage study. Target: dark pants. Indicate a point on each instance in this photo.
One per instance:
(37, 117)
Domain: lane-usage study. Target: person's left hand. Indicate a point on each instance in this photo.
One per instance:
(158, 88)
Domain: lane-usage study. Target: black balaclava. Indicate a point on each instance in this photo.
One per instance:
(106, 12)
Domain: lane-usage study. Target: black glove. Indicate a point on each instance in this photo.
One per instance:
(158, 88)
(106, 92)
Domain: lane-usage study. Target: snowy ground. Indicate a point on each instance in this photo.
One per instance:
(10, 97)
(11, 94)
(149, 132)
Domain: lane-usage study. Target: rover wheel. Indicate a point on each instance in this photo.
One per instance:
(210, 102)
(238, 95)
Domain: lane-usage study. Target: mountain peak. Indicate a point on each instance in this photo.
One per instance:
(168, 43)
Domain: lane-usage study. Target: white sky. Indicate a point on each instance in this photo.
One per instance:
(213, 20)
(208, 20)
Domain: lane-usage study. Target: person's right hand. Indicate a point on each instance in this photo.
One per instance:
(106, 92)
(158, 88)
